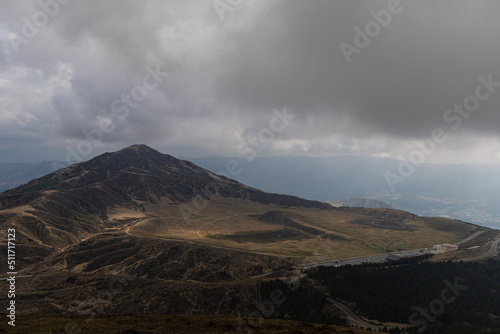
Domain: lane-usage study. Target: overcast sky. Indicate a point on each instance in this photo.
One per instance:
(199, 78)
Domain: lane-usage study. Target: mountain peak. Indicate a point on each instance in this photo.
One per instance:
(134, 157)
(137, 148)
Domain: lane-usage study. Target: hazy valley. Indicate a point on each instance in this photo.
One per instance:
(461, 191)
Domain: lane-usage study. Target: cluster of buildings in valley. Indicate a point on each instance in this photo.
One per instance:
(437, 249)
(444, 248)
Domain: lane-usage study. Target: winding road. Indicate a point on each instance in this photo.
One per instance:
(469, 238)
(493, 251)
(350, 314)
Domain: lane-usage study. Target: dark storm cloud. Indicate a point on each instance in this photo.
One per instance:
(226, 77)
(427, 58)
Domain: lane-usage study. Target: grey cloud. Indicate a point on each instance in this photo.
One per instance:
(426, 59)
(226, 77)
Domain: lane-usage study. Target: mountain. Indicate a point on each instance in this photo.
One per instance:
(15, 174)
(143, 192)
(179, 239)
(358, 202)
(66, 206)
(468, 192)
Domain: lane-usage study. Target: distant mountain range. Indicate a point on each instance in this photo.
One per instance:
(15, 174)
(469, 192)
